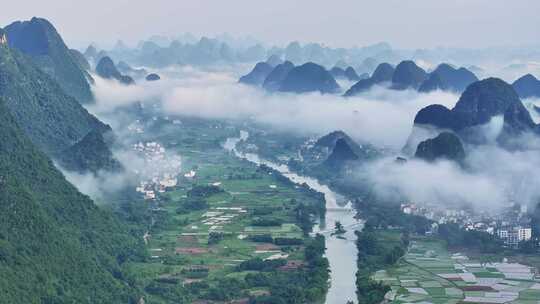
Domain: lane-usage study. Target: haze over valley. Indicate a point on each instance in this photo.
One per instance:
(152, 159)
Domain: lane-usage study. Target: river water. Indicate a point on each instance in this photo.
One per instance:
(341, 251)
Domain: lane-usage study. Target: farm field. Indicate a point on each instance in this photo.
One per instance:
(428, 273)
(247, 214)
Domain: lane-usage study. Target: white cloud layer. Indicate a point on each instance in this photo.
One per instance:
(382, 117)
(491, 176)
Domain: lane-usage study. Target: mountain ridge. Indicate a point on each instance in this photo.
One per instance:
(39, 40)
(52, 119)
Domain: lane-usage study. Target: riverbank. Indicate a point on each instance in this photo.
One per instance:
(377, 250)
(341, 251)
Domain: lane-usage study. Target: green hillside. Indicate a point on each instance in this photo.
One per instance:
(56, 246)
(53, 120)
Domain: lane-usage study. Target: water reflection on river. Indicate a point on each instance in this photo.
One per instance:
(341, 252)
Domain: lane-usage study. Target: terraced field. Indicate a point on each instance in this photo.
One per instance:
(430, 274)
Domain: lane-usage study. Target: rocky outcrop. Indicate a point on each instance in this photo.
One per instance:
(106, 69)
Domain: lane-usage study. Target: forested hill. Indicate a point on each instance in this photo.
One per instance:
(53, 120)
(56, 246)
(39, 40)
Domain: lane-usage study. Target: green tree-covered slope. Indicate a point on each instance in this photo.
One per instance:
(53, 120)
(56, 246)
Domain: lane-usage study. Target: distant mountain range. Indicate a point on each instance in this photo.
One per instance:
(205, 51)
(311, 77)
(407, 75)
(209, 51)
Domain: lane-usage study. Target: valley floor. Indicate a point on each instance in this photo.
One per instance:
(246, 241)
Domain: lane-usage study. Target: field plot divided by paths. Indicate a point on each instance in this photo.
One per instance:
(204, 241)
(428, 273)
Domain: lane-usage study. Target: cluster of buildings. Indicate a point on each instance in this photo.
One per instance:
(512, 225)
(159, 171)
(512, 236)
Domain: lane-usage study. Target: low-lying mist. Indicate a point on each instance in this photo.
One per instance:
(136, 169)
(491, 177)
(382, 117)
(488, 179)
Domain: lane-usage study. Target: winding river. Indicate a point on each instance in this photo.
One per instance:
(340, 251)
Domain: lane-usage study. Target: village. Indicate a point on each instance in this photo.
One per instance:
(512, 225)
(159, 171)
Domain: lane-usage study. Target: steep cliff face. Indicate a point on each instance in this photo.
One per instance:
(39, 40)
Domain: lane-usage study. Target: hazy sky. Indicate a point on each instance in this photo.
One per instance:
(403, 23)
